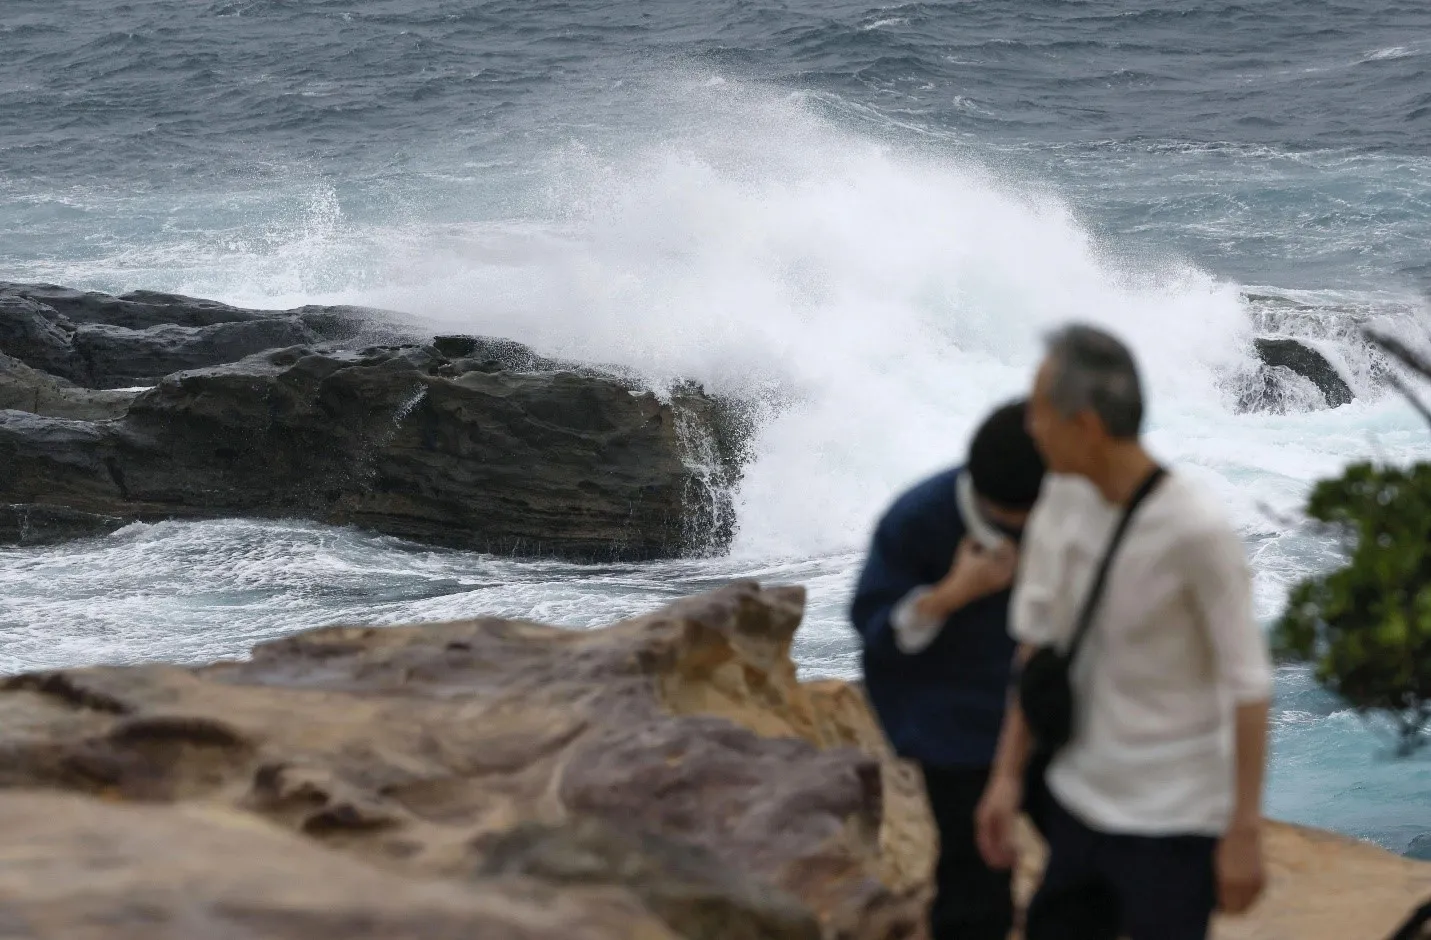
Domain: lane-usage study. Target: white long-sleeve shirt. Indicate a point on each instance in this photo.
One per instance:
(1173, 649)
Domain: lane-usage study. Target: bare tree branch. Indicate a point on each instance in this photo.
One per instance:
(1396, 383)
(1409, 358)
(1285, 521)
(1399, 351)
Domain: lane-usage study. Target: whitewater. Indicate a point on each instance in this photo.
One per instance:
(872, 282)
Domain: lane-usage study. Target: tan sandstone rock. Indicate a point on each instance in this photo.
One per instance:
(664, 777)
(418, 750)
(1321, 886)
(86, 869)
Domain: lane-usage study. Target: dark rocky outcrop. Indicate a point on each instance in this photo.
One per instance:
(1284, 357)
(25, 389)
(114, 356)
(535, 463)
(100, 341)
(31, 333)
(142, 310)
(39, 523)
(465, 441)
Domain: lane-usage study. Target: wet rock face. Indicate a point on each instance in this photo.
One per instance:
(1293, 377)
(98, 341)
(465, 761)
(25, 389)
(1308, 363)
(470, 442)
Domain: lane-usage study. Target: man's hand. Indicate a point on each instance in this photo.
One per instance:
(983, 571)
(976, 572)
(994, 821)
(1240, 876)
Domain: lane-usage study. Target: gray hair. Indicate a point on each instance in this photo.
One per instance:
(1093, 370)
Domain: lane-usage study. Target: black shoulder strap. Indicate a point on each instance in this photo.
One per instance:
(1095, 593)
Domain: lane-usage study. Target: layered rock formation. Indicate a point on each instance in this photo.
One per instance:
(462, 441)
(666, 777)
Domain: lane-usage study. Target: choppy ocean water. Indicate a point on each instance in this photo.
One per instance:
(866, 213)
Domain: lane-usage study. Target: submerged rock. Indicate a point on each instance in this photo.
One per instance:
(468, 441)
(39, 523)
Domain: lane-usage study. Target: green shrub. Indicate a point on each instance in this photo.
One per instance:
(1366, 627)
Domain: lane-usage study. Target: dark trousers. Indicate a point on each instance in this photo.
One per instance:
(973, 902)
(1102, 887)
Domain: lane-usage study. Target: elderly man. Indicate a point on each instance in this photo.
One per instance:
(1154, 808)
(931, 609)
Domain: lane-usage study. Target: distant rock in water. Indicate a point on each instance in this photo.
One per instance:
(1308, 363)
(465, 441)
(1420, 847)
(1293, 377)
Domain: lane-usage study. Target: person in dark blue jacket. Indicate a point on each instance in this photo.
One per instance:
(931, 608)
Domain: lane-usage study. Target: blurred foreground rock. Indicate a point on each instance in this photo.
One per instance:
(667, 776)
(664, 777)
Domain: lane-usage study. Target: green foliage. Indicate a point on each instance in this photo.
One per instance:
(1367, 626)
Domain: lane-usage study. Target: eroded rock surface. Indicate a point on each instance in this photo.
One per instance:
(665, 777)
(81, 869)
(488, 749)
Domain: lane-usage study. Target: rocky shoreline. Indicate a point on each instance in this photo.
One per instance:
(665, 777)
(154, 406)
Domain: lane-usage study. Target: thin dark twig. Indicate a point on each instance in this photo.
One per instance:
(1410, 396)
(1399, 351)
(1409, 358)
(1286, 522)
(1374, 440)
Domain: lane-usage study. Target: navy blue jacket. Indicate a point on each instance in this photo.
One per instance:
(944, 705)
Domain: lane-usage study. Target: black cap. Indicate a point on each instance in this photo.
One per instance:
(1004, 465)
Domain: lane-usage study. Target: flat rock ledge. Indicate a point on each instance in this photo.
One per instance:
(664, 777)
(150, 407)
